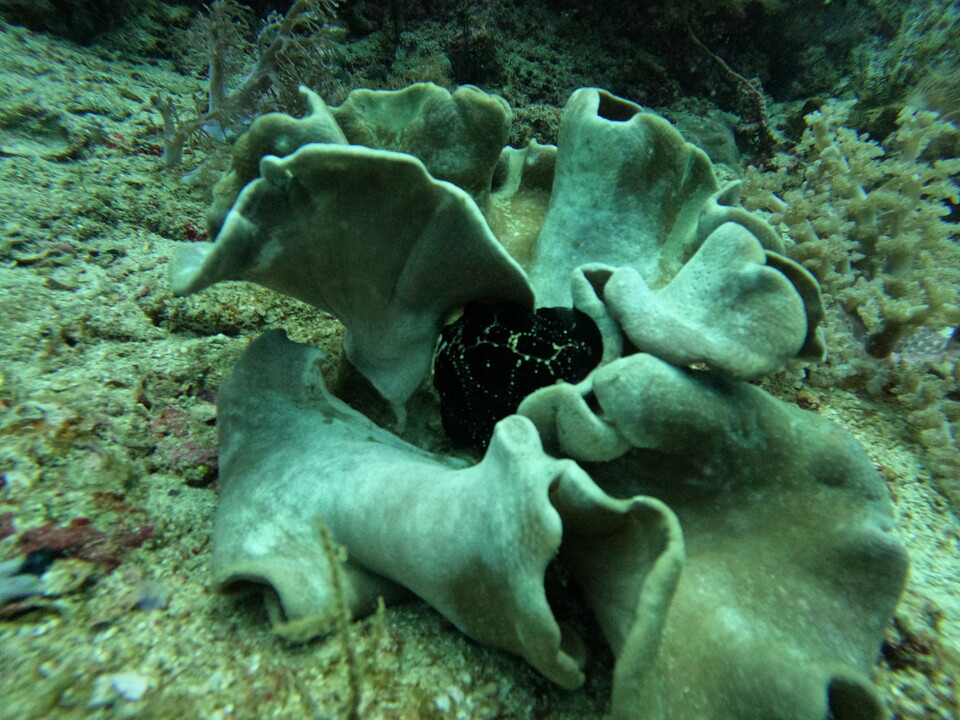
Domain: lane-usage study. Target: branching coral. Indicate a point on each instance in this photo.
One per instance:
(869, 220)
(303, 23)
(932, 401)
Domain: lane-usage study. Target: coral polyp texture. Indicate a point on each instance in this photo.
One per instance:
(736, 552)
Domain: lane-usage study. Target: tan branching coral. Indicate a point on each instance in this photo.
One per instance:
(869, 221)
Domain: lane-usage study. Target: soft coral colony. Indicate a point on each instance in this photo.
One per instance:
(736, 551)
(876, 223)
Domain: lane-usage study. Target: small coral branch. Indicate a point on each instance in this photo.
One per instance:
(176, 132)
(301, 23)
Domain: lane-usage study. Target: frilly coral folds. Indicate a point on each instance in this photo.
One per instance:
(735, 551)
